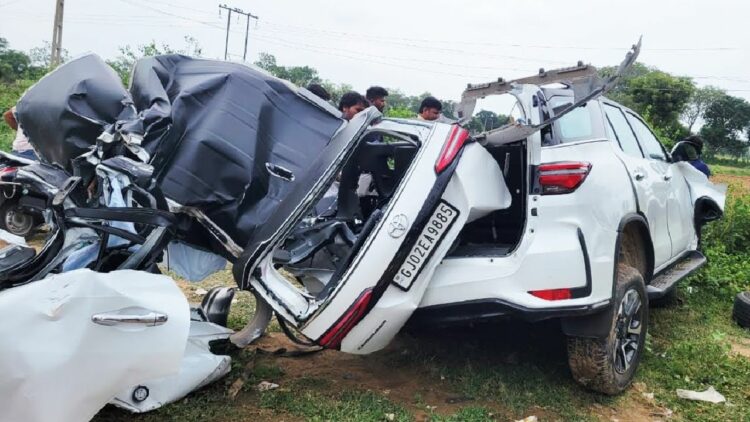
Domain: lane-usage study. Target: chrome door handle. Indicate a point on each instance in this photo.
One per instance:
(130, 316)
(639, 176)
(667, 178)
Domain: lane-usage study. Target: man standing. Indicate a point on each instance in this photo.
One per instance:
(21, 145)
(690, 149)
(352, 103)
(430, 109)
(376, 96)
(318, 90)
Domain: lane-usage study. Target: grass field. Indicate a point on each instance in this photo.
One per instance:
(501, 372)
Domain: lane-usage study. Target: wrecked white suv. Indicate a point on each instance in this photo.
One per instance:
(346, 231)
(572, 210)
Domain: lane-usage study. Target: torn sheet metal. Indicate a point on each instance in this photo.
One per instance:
(74, 340)
(228, 139)
(199, 367)
(582, 79)
(67, 110)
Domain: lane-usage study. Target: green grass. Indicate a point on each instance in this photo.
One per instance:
(690, 349)
(730, 170)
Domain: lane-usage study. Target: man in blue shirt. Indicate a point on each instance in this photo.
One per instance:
(690, 150)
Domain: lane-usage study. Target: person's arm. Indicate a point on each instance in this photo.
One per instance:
(10, 119)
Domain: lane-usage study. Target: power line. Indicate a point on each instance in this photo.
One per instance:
(326, 49)
(229, 20)
(10, 3)
(382, 38)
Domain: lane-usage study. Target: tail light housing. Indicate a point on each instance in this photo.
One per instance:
(332, 338)
(453, 144)
(553, 294)
(562, 177)
(7, 171)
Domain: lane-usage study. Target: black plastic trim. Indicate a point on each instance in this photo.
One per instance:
(584, 291)
(489, 309)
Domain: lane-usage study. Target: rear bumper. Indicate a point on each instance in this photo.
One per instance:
(492, 309)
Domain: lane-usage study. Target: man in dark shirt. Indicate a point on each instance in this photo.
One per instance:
(376, 96)
(690, 150)
(352, 103)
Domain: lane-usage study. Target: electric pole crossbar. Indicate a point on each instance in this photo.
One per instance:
(229, 21)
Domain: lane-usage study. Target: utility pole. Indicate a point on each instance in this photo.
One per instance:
(57, 29)
(229, 20)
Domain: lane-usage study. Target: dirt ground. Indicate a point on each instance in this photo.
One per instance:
(393, 374)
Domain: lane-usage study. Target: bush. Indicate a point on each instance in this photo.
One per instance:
(726, 244)
(9, 95)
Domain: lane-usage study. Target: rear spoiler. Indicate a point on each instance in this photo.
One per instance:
(584, 80)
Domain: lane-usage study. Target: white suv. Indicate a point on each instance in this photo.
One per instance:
(571, 210)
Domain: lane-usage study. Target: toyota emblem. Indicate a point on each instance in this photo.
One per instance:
(398, 226)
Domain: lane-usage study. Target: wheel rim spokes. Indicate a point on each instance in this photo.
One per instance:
(17, 222)
(628, 330)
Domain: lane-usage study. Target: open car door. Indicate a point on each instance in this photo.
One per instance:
(358, 282)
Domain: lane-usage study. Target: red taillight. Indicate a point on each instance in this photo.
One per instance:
(6, 170)
(332, 338)
(553, 294)
(562, 177)
(453, 144)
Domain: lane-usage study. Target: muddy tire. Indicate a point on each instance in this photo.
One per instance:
(741, 310)
(608, 365)
(15, 221)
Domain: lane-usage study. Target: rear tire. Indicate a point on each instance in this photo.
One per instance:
(608, 365)
(741, 310)
(15, 221)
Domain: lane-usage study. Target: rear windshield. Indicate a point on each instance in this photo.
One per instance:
(574, 126)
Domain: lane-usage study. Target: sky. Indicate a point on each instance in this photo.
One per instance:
(436, 46)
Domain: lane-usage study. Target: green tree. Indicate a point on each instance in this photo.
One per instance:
(701, 99)
(621, 92)
(727, 123)
(399, 112)
(14, 64)
(486, 120)
(41, 57)
(124, 63)
(662, 97)
(298, 75)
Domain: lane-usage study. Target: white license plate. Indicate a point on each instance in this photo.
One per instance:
(422, 250)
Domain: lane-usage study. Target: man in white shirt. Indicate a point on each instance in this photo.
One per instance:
(21, 145)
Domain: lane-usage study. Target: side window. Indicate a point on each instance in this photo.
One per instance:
(650, 144)
(624, 134)
(575, 125)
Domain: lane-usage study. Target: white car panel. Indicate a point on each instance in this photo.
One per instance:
(199, 367)
(476, 188)
(60, 365)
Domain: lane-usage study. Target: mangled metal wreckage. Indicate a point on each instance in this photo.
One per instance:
(203, 162)
(197, 158)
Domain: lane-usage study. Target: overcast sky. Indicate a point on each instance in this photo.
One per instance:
(437, 46)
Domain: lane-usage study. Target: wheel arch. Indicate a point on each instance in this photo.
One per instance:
(706, 209)
(634, 246)
(632, 233)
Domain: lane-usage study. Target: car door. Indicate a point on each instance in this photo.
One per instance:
(679, 204)
(649, 182)
(73, 341)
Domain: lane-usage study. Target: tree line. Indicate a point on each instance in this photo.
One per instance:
(673, 105)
